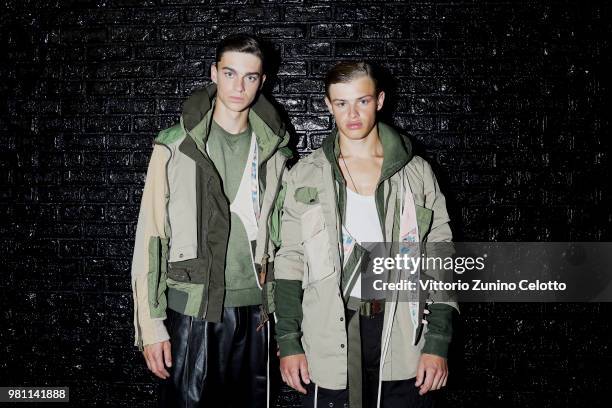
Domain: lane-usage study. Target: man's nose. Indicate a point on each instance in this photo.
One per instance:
(239, 85)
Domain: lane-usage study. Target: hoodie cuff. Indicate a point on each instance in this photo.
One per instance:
(439, 329)
(290, 345)
(436, 345)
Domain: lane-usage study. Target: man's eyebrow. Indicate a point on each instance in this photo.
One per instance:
(344, 100)
(234, 71)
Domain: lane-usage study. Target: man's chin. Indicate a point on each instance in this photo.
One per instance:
(355, 134)
(236, 106)
(240, 109)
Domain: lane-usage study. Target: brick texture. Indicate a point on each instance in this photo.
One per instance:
(507, 99)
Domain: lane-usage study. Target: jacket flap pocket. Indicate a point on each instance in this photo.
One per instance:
(307, 195)
(192, 271)
(424, 218)
(156, 276)
(316, 245)
(268, 297)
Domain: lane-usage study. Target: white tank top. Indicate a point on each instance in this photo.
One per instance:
(361, 218)
(361, 223)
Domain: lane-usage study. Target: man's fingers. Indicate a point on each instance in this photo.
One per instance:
(155, 368)
(167, 353)
(289, 379)
(444, 379)
(158, 365)
(304, 371)
(295, 379)
(292, 368)
(158, 356)
(429, 377)
(437, 382)
(420, 375)
(147, 358)
(283, 376)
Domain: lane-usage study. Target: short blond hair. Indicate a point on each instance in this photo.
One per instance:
(346, 71)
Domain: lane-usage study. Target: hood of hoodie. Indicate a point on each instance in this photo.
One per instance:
(397, 151)
(265, 120)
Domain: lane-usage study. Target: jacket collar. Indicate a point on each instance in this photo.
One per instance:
(397, 151)
(263, 117)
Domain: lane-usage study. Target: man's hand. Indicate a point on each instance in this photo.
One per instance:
(432, 373)
(292, 368)
(156, 355)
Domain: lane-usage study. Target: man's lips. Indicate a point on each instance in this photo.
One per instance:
(236, 98)
(354, 125)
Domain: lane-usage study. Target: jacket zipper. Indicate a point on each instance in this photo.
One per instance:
(265, 256)
(204, 306)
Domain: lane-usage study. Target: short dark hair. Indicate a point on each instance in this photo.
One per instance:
(346, 71)
(240, 43)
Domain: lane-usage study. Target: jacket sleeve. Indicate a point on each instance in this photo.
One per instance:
(439, 244)
(149, 259)
(288, 274)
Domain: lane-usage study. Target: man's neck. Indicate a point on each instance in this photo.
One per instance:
(230, 121)
(367, 147)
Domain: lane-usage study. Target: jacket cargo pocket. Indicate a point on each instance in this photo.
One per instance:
(424, 218)
(316, 244)
(185, 297)
(187, 281)
(268, 297)
(157, 275)
(193, 271)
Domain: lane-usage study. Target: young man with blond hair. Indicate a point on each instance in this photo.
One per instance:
(363, 185)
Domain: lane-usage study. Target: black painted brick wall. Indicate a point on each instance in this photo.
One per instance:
(505, 98)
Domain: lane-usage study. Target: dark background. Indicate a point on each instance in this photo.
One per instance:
(506, 99)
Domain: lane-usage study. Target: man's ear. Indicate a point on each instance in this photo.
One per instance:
(263, 79)
(329, 105)
(380, 100)
(213, 72)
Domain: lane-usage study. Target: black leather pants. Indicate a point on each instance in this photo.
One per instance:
(217, 364)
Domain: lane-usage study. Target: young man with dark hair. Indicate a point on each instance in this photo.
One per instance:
(202, 240)
(363, 185)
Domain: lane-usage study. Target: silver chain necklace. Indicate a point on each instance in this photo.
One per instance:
(349, 173)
